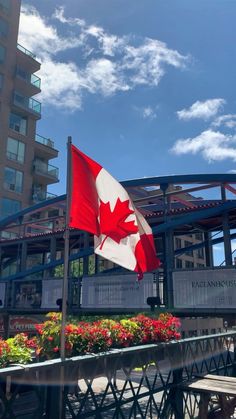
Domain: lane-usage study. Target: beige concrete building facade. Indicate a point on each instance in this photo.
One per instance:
(25, 171)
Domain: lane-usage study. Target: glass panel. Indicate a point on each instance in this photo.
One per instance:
(35, 80)
(9, 176)
(2, 54)
(12, 148)
(22, 74)
(19, 181)
(18, 123)
(9, 206)
(21, 152)
(15, 150)
(3, 28)
(13, 180)
(27, 102)
(26, 51)
(8, 235)
(42, 166)
(28, 77)
(42, 140)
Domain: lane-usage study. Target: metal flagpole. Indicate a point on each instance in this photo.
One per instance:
(65, 276)
(66, 250)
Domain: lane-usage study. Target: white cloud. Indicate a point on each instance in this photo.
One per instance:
(147, 62)
(103, 76)
(59, 14)
(228, 120)
(37, 35)
(203, 110)
(61, 85)
(146, 112)
(106, 63)
(149, 113)
(212, 145)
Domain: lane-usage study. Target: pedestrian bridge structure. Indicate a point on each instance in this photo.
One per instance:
(190, 216)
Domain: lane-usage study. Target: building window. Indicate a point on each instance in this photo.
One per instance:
(198, 236)
(179, 263)
(188, 244)
(9, 206)
(177, 243)
(8, 235)
(189, 264)
(15, 150)
(13, 180)
(18, 123)
(200, 265)
(2, 54)
(200, 253)
(3, 28)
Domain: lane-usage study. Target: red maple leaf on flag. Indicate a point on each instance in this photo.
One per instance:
(113, 223)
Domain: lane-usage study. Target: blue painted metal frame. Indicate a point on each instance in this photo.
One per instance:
(194, 216)
(182, 179)
(150, 181)
(15, 217)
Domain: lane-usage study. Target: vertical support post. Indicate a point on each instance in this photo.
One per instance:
(208, 250)
(1, 261)
(66, 250)
(23, 256)
(234, 360)
(226, 232)
(53, 251)
(65, 281)
(168, 252)
(175, 397)
(86, 258)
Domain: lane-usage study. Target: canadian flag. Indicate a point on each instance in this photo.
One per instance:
(101, 206)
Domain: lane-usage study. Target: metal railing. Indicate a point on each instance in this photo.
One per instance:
(16, 157)
(39, 195)
(27, 103)
(45, 141)
(28, 77)
(26, 51)
(137, 382)
(45, 169)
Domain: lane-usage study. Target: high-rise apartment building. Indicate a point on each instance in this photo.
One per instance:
(25, 171)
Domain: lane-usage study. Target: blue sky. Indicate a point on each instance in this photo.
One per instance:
(144, 87)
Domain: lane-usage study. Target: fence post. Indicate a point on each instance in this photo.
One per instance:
(52, 402)
(176, 399)
(234, 359)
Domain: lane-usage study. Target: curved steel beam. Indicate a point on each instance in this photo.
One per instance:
(182, 179)
(194, 216)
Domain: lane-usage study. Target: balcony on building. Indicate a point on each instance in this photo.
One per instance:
(40, 194)
(27, 59)
(28, 104)
(44, 173)
(27, 82)
(44, 148)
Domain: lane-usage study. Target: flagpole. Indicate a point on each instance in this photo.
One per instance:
(65, 276)
(66, 250)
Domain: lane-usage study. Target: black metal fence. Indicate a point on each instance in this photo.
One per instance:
(138, 382)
